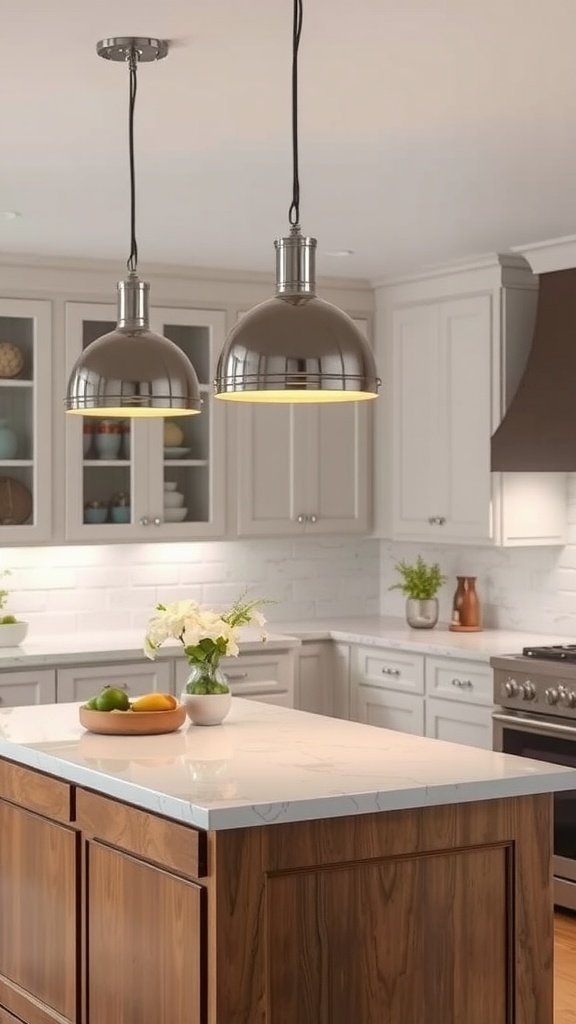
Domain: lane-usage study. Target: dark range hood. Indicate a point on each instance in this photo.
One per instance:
(538, 432)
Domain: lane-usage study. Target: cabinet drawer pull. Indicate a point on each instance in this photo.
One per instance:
(465, 684)
(157, 521)
(301, 518)
(391, 671)
(312, 518)
(144, 521)
(436, 520)
(236, 675)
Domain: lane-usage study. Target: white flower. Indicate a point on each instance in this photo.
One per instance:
(192, 625)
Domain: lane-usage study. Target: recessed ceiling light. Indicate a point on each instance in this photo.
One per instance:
(340, 252)
(9, 214)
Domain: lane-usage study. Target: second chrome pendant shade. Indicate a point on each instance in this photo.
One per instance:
(133, 372)
(296, 347)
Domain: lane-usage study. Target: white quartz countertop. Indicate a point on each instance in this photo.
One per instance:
(268, 764)
(121, 645)
(385, 632)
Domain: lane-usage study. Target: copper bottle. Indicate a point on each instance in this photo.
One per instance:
(470, 605)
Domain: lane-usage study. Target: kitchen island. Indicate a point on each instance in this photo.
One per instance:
(283, 868)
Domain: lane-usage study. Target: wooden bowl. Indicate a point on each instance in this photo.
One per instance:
(132, 723)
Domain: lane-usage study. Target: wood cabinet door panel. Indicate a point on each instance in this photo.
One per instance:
(144, 929)
(340, 957)
(38, 908)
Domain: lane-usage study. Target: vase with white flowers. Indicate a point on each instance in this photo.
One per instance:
(206, 637)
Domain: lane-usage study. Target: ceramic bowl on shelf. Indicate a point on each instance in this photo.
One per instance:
(175, 515)
(170, 485)
(95, 515)
(120, 513)
(176, 453)
(173, 499)
(12, 633)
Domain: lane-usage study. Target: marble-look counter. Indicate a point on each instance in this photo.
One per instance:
(121, 645)
(268, 764)
(386, 632)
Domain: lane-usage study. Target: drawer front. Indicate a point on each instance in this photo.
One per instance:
(458, 679)
(84, 681)
(42, 794)
(173, 846)
(253, 675)
(398, 670)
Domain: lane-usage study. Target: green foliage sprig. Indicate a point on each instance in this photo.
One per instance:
(419, 581)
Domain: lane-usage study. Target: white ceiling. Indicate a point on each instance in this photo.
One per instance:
(430, 130)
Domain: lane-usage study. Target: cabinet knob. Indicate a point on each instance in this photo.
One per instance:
(312, 518)
(157, 521)
(144, 521)
(300, 518)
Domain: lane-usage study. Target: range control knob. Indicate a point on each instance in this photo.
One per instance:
(511, 688)
(551, 695)
(528, 691)
(568, 698)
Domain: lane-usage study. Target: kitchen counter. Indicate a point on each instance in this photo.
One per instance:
(324, 837)
(268, 765)
(380, 631)
(123, 645)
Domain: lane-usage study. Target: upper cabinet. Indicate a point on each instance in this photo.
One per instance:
(148, 479)
(454, 346)
(25, 421)
(301, 469)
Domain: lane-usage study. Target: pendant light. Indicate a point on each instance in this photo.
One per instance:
(296, 347)
(132, 371)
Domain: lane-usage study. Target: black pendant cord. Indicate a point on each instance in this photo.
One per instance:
(294, 211)
(132, 262)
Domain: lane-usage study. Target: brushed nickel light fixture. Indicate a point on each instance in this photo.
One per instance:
(132, 371)
(296, 347)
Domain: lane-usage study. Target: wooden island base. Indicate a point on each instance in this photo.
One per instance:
(113, 915)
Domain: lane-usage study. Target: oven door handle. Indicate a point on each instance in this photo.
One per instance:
(535, 725)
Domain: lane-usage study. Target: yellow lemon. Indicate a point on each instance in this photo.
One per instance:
(155, 702)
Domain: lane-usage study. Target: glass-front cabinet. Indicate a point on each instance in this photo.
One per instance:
(148, 479)
(25, 420)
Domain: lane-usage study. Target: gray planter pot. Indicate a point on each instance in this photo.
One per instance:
(422, 614)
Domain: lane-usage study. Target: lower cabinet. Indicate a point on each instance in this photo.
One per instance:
(20, 688)
(82, 682)
(313, 681)
(456, 722)
(139, 914)
(266, 675)
(442, 697)
(390, 709)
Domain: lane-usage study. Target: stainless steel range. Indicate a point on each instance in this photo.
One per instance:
(536, 718)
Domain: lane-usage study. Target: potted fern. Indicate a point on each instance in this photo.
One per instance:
(420, 582)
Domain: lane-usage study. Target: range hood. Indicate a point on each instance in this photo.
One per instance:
(538, 432)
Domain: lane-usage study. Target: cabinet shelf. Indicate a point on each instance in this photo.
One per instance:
(106, 463)
(11, 463)
(7, 382)
(186, 462)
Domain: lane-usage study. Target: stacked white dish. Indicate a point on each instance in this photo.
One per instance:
(174, 508)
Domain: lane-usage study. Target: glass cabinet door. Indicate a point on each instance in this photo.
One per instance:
(117, 469)
(187, 453)
(25, 421)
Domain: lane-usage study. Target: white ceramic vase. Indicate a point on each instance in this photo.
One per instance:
(207, 708)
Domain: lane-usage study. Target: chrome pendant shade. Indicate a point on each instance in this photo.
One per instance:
(296, 347)
(133, 372)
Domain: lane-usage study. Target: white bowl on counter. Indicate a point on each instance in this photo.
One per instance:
(12, 633)
(175, 515)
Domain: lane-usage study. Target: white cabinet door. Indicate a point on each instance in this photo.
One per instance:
(390, 709)
(313, 680)
(442, 386)
(470, 724)
(142, 464)
(82, 682)
(302, 469)
(26, 412)
(459, 679)
(267, 676)
(20, 688)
